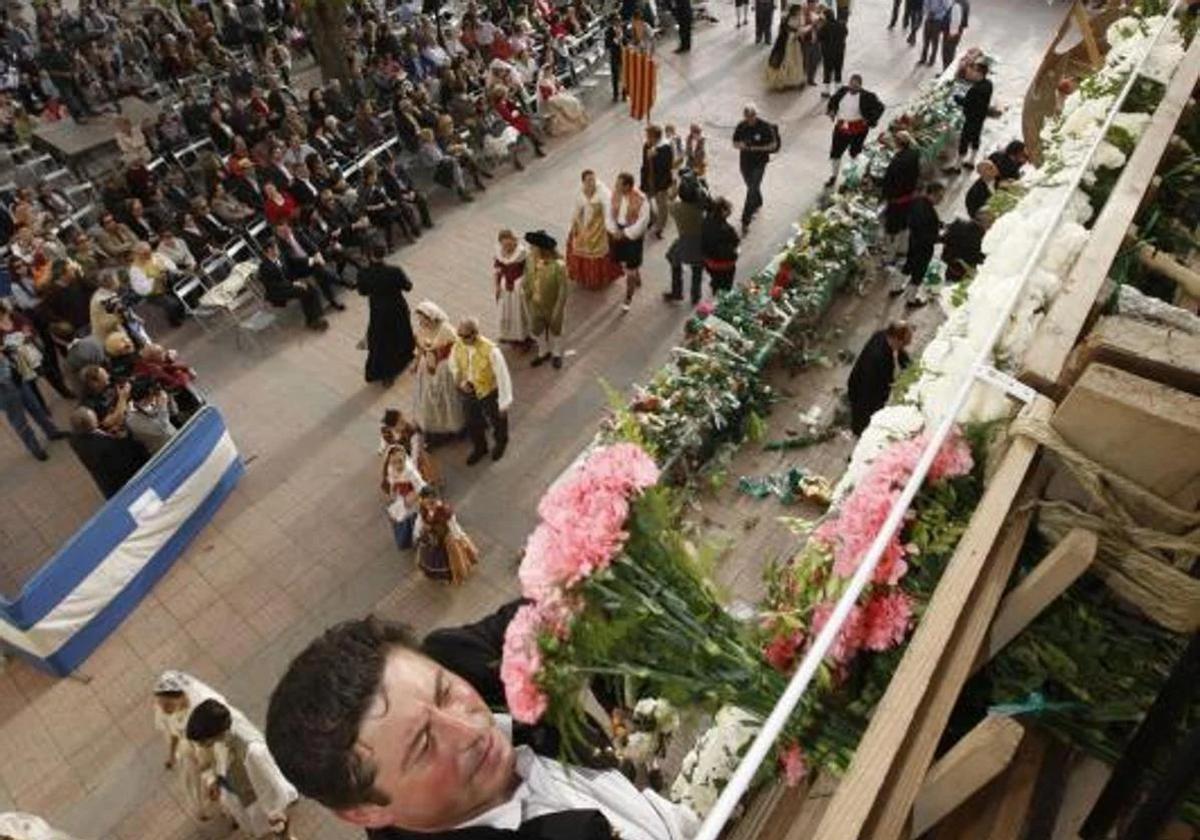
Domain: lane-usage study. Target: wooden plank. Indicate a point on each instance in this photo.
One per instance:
(1151, 351)
(1001, 810)
(875, 797)
(1056, 571)
(1071, 309)
(979, 757)
(1085, 30)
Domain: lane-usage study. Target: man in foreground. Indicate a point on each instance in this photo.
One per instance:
(399, 739)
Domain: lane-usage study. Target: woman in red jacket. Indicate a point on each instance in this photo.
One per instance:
(278, 205)
(514, 116)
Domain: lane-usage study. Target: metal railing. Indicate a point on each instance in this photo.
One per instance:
(740, 782)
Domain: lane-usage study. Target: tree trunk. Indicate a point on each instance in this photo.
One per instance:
(327, 28)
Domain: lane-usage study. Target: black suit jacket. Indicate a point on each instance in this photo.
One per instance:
(275, 280)
(111, 461)
(656, 168)
(473, 652)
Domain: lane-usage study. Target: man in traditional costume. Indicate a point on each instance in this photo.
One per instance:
(854, 112)
(588, 260)
(508, 270)
(899, 188)
(545, 296)
(627, 219)
(482, 376)
(244, 778)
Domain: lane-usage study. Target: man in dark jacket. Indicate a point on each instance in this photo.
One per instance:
(280, 288)
(976, 104)
(874, 371)
(962, 244)
(688, 213)
(924, 232)
(683, 18)
(854, 112)
(614, 40)
(719, 243)
(657, 178)
(899, 188)
(399, 738)
(109, 458)
(1010, 161)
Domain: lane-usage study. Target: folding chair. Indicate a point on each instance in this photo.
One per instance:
(257, 237)
(245, 309)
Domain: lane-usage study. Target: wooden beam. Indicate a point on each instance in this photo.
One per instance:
(1049, 579)
(979, 757)
(1072, 308)
(1084, 23)
(876, 795)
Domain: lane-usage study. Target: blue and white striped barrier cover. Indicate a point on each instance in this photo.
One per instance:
(94, 581)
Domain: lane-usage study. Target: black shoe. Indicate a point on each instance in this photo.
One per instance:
(319, 325)
(517, 165)
(539, 360)
(832, 180)
(498, 451)
(340, 307)
(672, 298)
(537, 150)
(477, 456)
(41, 455)
(557, 362)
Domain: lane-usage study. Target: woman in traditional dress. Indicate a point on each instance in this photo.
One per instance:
(401, 483)
(175, 695)
(785, 67)
(508, 269)
(444, 551)
(390, 344)
(588, 260)
(439, 409)
(564, 113)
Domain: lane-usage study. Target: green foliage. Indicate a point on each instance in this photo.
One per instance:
(1005, 199)
(1144, 96)
(1122, 139)
(904, 382)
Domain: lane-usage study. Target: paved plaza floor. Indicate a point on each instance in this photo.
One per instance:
(304, 542)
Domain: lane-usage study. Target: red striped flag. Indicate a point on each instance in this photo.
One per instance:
(640, 76)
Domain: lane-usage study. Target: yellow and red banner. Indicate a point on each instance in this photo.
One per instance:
(639, 75)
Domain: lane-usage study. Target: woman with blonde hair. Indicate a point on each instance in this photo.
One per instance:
(438, 407)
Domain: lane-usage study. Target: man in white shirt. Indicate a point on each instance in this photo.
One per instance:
(853, 111)
(626, 219)
(401, 741)
(481, 373)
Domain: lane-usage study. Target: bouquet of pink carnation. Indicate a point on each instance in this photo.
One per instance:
(616, 590)
(803, 590)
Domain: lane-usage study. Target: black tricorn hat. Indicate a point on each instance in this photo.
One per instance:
(541, 239)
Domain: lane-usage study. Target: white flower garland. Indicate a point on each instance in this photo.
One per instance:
(1066, 141)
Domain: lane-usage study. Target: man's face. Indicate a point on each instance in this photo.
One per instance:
(750, 116)
(855, 83)
(438, 755)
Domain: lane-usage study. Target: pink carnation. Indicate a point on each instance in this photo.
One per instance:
(520, 666)
(705, 308)
(781, 651)
(849, 641)
(887, 618)
(953, 459)
(557, 558)
(792, 762)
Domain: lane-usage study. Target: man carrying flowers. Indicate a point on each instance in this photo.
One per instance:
(400, 739)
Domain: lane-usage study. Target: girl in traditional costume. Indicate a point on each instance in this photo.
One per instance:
(589, 262)
(396, 428)
(439, 408)
(401, 483)
(175, 695)
(444, 551)
(508, 269)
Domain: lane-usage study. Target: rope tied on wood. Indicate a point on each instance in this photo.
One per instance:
(1145, 566)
